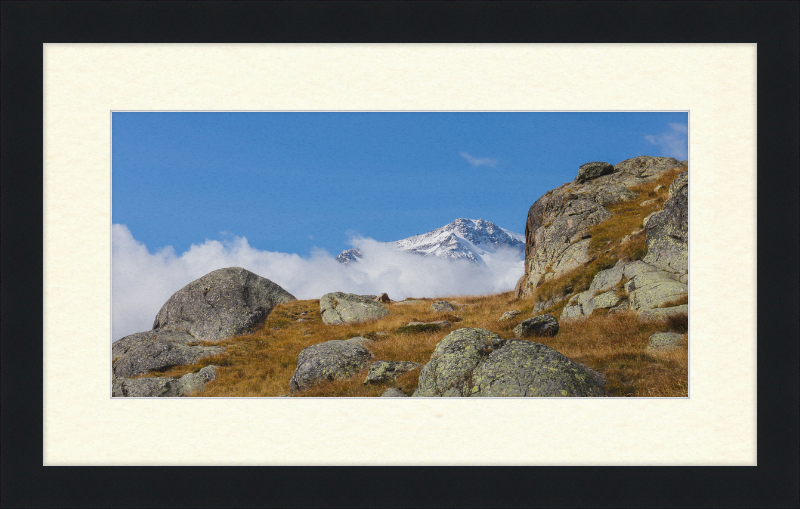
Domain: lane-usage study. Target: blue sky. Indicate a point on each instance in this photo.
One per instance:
(292, 182)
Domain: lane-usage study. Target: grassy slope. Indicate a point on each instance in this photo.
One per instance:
(262, 363)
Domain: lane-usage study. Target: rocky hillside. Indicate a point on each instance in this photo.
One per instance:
(615, 238)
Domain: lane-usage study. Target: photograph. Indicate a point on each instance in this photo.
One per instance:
(495, 254)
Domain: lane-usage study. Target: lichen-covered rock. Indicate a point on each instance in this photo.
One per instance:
(668, 230)
(653, 289)
(339, 308)
(605, 300)
(558, 222)
(542, 325)
(156, 350)
(525, 368)
(591, 171)
(163, 387)
(385, 371)
(331, 360)
(360, 341)
(661, 341)
(449, 371)
(393, 392)
(442, 306)
(510, 315)
(477, 362)
(222, 304)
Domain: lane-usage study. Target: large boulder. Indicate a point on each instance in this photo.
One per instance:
(339, 308)
(331, 360)
(222, 304)
(477, 362)
(156, 350)
(163, 387)
(542, 325)
(667, 231)
(556, 231)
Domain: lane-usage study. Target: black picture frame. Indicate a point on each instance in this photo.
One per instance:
(772, 25)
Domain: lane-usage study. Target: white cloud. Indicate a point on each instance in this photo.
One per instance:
(479, 161)
(143, 281)
(674, 142)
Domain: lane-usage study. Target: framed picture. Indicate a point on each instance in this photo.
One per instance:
(319, 65)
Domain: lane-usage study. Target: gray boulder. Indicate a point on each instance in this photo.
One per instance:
(385, 371)
(393, 392)
(661, 314)
(510, 315)
(222, 304)
(442, 306)
(156, 350)
(668, 231)
(661, 341)
(163, 387)
(542, 325)
(331, 360)
(591, 171)
(339, 308)
(477, 362)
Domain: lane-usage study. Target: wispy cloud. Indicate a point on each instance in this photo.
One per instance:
(143, 281)
(479, 161)
(674, 142)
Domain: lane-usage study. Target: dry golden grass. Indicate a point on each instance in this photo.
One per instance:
(261, 364)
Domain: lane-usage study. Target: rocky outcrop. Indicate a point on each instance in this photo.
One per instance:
(556, 231)
(477, 362)
(385, 371)
(222, 304)
(164, 387)
(637, 286)
(668, 230)
(442, 306)
(331, 360)
(156, 350)
(542, 325)
(339, 308)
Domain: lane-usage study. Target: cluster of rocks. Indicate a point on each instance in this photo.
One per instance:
(222, 304)
(466, 362)
(558, 238)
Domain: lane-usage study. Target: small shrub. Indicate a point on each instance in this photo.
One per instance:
(678, 323)
(417, 329)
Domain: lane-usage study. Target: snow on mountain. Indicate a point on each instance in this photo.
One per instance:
(349, 255)
(470, 239)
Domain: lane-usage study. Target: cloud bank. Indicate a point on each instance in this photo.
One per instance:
(674, 142)
(143, 281)
(479, 161)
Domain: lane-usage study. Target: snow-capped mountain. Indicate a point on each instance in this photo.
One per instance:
(462, 239)
(349, 255)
